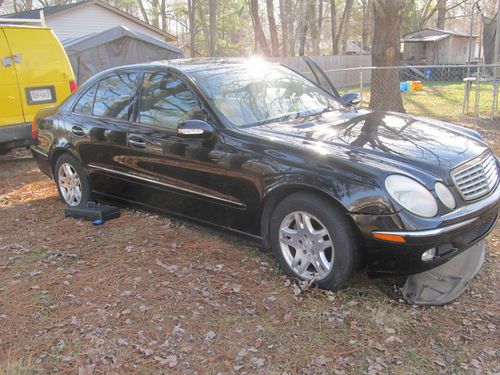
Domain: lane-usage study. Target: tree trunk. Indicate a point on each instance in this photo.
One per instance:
(143, 11)
(260, 38)
(367, 24)
(204, 26)
(385, 94)
(284, 9)
(441, 14)
(163, 15)
(320, 16)
(333, 16)
(415, 16)
(273, 31)
(212, 16)
(303, 27)
(313, 26)
(341, 36)
(192, 26)
(291, 15)
(155, 7)
(345, 23)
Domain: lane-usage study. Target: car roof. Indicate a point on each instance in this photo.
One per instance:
(195, 65)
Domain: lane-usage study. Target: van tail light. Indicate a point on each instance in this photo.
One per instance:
(73, 86)
(34, 130)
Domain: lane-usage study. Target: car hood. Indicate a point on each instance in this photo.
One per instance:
(393, 139)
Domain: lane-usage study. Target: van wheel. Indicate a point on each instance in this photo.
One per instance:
(72, 182)
(313, 240)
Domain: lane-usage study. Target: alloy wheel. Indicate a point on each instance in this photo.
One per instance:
(306, 245)
(69, 184)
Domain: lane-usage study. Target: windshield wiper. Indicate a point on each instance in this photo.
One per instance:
(315, 112)
(292, 116)
(288, 116)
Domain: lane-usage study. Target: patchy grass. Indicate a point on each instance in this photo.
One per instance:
(148, 294)
(443, 100)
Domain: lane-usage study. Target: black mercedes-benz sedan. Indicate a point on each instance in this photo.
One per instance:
(256, 148)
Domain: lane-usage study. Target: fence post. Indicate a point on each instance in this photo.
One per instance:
(494, 104)
(361, 87)
(465, 105)
(476, 101)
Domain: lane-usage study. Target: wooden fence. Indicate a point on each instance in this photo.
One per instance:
(338, 68)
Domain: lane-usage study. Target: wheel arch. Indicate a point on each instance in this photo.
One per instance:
(57, 152)
(277, 194)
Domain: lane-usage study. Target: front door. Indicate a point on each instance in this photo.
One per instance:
(178, 174)
(10, 97)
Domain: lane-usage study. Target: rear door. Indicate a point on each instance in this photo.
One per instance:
(10, 98)
(42, 67)
(98, 128)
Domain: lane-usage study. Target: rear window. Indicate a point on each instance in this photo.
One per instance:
(86, 102)
(114, 96)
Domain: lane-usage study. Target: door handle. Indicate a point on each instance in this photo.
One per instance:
(138, 143)
(78, 131)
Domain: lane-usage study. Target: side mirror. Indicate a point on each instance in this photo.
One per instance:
(351, 98)
(195, 129)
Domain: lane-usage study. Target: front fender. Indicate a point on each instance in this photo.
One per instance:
(353, 195)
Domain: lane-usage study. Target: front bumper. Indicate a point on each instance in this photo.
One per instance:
(450, 235)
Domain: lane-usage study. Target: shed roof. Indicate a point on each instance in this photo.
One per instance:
(432, 35)
(75, 45)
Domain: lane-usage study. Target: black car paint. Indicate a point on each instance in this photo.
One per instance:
(234, 179)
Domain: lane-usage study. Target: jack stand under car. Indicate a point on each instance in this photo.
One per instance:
(447, 282)
(93, 211)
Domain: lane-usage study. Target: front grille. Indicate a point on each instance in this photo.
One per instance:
(477, 177)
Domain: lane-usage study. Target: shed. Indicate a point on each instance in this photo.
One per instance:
(437, 47)
(117, 46)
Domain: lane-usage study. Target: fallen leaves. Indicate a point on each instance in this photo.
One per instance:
(170, 361)
(152, 294)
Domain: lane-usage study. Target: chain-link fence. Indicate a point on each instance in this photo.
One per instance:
(446, 92)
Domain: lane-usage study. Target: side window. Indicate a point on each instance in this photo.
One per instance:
(113, 97)
(166, 101)
(86, 102)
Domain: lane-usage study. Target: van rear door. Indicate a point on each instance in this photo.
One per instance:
(10, 98)
(42, 67)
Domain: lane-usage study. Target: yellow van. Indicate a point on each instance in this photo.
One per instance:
(34, 73)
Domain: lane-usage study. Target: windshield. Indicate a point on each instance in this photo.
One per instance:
(261, 92)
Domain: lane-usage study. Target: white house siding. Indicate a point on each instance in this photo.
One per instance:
(92, 18)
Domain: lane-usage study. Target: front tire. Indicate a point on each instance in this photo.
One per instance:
(313, 240)
(72, 182)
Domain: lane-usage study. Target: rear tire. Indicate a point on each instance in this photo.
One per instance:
(72, 183)
(313, 239)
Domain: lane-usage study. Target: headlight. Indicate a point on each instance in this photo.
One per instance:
(445, 195)
(412, 195)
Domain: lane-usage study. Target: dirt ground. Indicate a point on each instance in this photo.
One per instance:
(149, 294)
